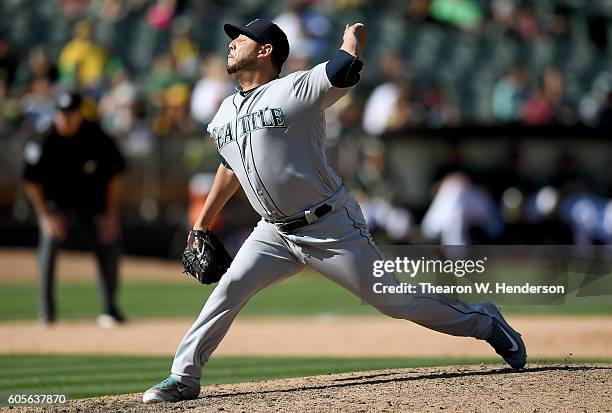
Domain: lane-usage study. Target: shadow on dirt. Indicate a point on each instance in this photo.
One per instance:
(404, 376)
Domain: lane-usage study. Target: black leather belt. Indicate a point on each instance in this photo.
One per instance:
(289, 226)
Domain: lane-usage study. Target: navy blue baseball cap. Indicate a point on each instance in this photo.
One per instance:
(263, 31)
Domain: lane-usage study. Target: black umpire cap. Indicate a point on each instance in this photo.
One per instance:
(68, 101)
(266, 32)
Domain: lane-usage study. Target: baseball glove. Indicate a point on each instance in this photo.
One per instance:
(205, 257)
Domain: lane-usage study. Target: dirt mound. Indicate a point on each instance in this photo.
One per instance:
(485, 388)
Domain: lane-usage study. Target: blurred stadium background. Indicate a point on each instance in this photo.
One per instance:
(515, 96)
(476, 122)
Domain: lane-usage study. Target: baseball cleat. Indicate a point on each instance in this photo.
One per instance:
(505, 340)
(170, 390)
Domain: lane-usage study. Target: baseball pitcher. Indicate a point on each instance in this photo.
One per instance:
(271, 138)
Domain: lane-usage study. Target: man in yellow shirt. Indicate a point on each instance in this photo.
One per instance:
(81, 58)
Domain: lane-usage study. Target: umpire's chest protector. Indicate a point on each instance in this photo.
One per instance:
(273, 139)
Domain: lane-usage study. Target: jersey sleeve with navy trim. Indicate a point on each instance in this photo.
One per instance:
(224, 163)
(343, 69)
(313, 88)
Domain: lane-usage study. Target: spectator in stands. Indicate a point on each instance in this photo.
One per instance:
(82, 60)
(539, 108)
(73, 179)
(139, 141)
(405, 112)
(74, 8)
(292, 23)
(116, 109)
(37, 104)
(37, 65)
(389, 217)
(549, 103)
(439, 110)
(502, 13)
(210, 90)
(375, 194)
(318, 27)
(588, 214)
(568, 202)
(466, 199)
(458, 206)
(389, 105)
(525, 22)
(558, 23)
(162, 76)
(369, 175)
(184, 49)
(112, 11)
(390, 108)
(509, 95)
(174, 121)
(159, 15)
(381, 106)
(391, 65)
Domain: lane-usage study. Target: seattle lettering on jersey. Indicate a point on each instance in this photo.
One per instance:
(263, 118)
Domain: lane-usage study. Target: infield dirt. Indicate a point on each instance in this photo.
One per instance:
(374, 336)
(484, 388)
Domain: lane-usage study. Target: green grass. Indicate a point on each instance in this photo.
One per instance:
(88, 376)
(305, 294)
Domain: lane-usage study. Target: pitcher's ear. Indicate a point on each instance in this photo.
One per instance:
(265, 49)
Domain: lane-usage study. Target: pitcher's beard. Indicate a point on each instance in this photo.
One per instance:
(247, 63)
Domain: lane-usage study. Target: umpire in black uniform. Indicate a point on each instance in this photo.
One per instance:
(73, 179)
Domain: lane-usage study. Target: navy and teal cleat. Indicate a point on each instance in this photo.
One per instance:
(170, 390)
(506, 341)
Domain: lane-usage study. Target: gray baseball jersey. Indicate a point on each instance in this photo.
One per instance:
(273, 138)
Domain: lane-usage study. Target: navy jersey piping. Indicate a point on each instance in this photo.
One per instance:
(255, 166)
(240, 153)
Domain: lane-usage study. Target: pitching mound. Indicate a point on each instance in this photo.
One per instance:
(485, 388)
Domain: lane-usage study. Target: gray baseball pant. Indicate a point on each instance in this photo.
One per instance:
(339, 247)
